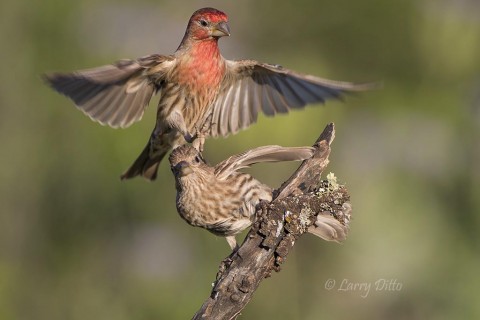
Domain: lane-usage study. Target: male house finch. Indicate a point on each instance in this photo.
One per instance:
(195, 83)
(222, 200)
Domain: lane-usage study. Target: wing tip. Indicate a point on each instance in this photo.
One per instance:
(366, 86)
(49, 78)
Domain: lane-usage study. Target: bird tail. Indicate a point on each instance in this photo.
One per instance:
(328, 228)
(146, 165)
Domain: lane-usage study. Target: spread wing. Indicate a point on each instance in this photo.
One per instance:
(250, 87)
(261, 154)
(116, 94)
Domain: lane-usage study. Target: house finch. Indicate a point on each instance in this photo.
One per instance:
(223, 200)
(193, 83)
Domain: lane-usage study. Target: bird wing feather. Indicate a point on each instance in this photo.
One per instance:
(250, 87)
(116, 94)
(328, 228)
(271, 153)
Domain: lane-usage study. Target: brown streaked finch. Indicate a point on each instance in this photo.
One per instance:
(223, 200)
(193, 83)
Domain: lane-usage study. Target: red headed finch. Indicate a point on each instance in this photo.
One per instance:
(194, 83)
(223, 200)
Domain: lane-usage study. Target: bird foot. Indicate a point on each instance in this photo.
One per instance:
(199, 142)
(201, 132)
(225, 264)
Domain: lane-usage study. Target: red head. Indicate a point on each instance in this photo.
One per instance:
(207, 23)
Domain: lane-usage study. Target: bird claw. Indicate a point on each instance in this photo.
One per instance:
(199, 142)
(225, 264)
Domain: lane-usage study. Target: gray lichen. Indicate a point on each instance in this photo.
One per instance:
(305, 218)
(332, 182)
(336, 200)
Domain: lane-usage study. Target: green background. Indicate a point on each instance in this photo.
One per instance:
(76, 243)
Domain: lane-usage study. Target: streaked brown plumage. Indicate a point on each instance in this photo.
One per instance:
(223, 200)
(195, 83)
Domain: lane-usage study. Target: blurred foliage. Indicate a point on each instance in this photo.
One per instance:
(76, 243)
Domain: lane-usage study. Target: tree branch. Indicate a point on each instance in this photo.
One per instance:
(280, 223)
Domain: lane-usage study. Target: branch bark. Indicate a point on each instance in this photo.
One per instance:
(279, 224)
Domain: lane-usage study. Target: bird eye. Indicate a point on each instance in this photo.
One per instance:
(197, 159)
(203, 23)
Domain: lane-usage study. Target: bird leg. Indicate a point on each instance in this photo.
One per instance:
(202, 132)
(232, 242)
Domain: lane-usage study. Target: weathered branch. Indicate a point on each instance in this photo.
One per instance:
(280, 223)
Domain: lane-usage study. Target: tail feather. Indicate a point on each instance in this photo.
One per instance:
(328, 228)
(145, 165)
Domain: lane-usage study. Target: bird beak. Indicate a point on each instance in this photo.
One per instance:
(182, 169)
(221, 29)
